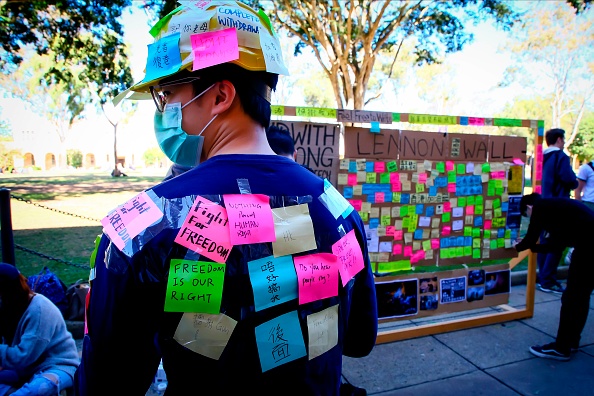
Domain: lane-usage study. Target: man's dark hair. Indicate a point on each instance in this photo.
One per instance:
(552, 135)
(280, 140)
(526, 200)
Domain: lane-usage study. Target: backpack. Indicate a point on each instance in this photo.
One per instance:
(76, 295)
(48, 284)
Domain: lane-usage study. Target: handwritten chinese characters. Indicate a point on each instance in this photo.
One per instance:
(194, 286)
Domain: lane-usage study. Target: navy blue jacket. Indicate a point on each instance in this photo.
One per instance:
(558, 178)
(128, 330)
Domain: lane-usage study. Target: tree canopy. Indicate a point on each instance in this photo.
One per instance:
(72, 33)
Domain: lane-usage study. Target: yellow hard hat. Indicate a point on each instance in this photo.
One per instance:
(200, 34)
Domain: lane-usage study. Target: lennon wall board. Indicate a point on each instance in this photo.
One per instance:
(317, 146)
(430, 198)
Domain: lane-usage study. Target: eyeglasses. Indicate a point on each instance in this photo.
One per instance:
(160, 96)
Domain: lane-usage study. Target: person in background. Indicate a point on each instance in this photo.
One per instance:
(281, 142)
(558, 179)
(585, 189)
(567, 222)
(38, 356)
(213, 118)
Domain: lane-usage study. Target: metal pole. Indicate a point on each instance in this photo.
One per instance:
(6, 228)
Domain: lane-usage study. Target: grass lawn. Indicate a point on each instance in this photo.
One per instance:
(58, 216)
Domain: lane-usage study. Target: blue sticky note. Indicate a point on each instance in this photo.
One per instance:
(375, 127)
(371, 198)
(478, 221)
(504, 206)
(430, 211)
(352, 167)
(463, 120)
(369, 166)
(163, 57)
(540, 131)
(419, 209)
(445, 243)
(374, 222)
(432, 191)
(348, 192)
(467, 241)
(280, 341)
(500, 232)
(460, 241)
(405, 198)
(418, 234)
(274, 281)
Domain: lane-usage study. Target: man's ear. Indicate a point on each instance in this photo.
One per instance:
(224, 96)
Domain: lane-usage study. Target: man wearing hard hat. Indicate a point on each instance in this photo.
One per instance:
(246, 274)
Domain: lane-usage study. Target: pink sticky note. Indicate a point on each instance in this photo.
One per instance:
(394, 177)
(476, 121)
(435, 243)
(446, 230)
(407, 251)
(538, 189)
(379, 197)
(317, 275)
(357, 204)
(487, 225)
(397, 249)
(213, 48)
(452, 187)
(397, 187)
(422, 178)
(250, 218)
(390, 230)
(539, 149)
(538, 175)
(352, 179)
(379, 166)
(447, 207)
(398, 235)
(421, 254)
(130, 219)
(469, 210)
(206, 230)
(350, 256)
(449, 165)
(518, 161)
(414, 258)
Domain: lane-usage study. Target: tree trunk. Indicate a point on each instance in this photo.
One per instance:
(116, 172)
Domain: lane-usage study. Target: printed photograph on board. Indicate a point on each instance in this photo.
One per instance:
(497, 282)
(476, 277)
(429, 302)
(453, 290)
(475, 293)
(397, 298)
(428, 285)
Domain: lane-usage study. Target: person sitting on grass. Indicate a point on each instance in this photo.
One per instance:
(38, 356)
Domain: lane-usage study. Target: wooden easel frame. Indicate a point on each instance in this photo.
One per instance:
(506, 313)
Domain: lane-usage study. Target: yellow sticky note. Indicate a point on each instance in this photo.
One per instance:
(205, 334)
(293, 229)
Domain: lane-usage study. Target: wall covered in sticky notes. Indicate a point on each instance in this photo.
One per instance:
(430, 198)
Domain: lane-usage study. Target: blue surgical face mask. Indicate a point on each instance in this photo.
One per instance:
(177, 145)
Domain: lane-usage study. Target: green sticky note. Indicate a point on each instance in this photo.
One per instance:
(467, 250)
(476, 243)
(459, 251)
(490, 192)
(194, 286)
(440, 167)
(451, 177)
(277, 110)
(487, 234)
(498, 183)
(445, 218)
(426, 245)
(405, 222)
(507, 234)
(371, 177)
(509, 122)
(462, 201)
(385, 220)
(396, 197)
(94, 253)
(493, 244)
(478, 209)
(479, 200)
(385, 178)
(499, 191)
(393, 266)
(392, 166)
(500, 242)
(496, 203)
(443, 253)
(395, 117)
(419, 188)
(476, 232)
(403, 211)
(467, 231)
(364, 216)
(476, 253)
(497, 212)
(470, 200)
(486, 167)
(461, 169)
